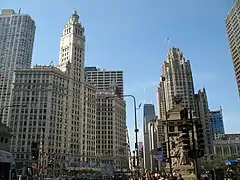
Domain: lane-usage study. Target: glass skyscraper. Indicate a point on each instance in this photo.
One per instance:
(148, 115)
(216, 119)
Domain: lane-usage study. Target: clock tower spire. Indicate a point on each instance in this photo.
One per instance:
(72, 48)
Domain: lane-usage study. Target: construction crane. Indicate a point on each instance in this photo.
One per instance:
(129, 150)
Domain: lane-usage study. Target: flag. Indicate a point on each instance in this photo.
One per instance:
(40, 156)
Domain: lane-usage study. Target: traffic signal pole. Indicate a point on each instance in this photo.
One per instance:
(167, 124)
(194, 146)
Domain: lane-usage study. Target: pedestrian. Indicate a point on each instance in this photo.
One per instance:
(180, 177)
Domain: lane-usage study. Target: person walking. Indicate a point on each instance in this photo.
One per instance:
(180, 177)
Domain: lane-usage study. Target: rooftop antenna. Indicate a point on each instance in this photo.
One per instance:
(19, 10)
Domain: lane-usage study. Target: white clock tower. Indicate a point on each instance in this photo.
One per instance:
(72, 48)
(71, 61)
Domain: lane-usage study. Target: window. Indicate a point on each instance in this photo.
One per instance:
(171, 128)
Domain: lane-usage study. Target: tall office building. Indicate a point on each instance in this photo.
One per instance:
(16, 46)
(111, 114)
(60, 106)
(177, 71)
(216, 119)
(232, 26)
(153, 144)
(111, 130)
(178, 81)
(202, 111)
(81, 101)
(148, 116)
(105, 79)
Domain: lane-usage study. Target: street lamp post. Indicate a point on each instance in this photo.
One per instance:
(166, 117)
(136, 128)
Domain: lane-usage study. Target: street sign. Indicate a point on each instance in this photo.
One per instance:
(158, 156)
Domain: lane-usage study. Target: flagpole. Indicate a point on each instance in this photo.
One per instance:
(40, 157)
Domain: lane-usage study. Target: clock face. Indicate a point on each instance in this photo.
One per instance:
(78, 42)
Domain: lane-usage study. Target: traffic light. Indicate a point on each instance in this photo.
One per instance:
(184, 137)
(134, 159)
(34, 150)
(184, 114)
(200, 139)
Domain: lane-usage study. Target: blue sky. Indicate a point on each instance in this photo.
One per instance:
(130, 35)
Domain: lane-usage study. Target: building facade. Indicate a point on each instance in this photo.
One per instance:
(232, 27)
(227, 146)
(111, 115)
(152, 135)
(111, 139)
(17, 33)
(177, 81)
(82, 97)
(105, 79)
(202, 111)
(216, 119)
(59, 105)
(148, 116)
(4, 137)
(42, 90)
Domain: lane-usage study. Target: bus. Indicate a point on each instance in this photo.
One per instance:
(7, 166)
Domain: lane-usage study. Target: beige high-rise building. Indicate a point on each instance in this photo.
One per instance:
(60, 105)
(178, 74)
(233, 30)
(178, 81)
(111, 115)
(111, 136)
